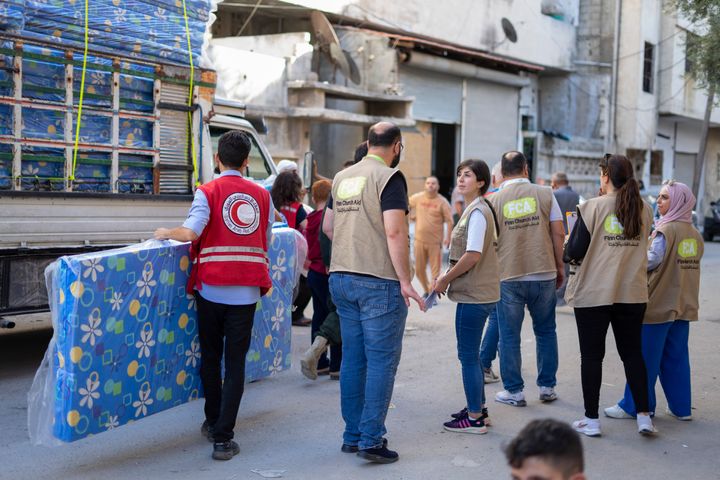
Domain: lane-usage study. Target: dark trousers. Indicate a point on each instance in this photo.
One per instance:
(592, 323)
(232, 324)
(302, 298)
(320, 289)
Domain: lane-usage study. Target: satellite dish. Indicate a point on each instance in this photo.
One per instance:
(509, 30)
(354, 71)
(328, 42)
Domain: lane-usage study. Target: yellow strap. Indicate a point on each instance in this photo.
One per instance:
(190, 97)
(82, 92)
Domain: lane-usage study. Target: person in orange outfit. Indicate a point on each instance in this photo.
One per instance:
(431, 212)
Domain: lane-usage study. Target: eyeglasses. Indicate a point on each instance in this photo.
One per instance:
(669, 183)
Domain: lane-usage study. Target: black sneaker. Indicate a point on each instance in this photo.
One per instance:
(354, 448)
(484, 416)
(225, 450)
(207, 431)
(466, 425)
(378, 455)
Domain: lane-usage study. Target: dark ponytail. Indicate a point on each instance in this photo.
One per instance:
(629, 204)
(629, 207)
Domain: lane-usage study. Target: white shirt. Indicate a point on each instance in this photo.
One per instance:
(476, 232)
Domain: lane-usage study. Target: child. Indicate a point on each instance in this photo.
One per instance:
(318, 277)
(546, 450)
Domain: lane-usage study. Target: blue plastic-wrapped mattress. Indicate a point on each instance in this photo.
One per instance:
(153, 30)
(126, 342)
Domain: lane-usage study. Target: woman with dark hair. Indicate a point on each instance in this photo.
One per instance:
(674, 286)
(286, 195)
(473, 281)
(609, 286)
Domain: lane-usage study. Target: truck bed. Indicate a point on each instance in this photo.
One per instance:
(41, 220)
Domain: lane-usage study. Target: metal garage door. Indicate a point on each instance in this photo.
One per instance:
(491, 120)
(438, 97)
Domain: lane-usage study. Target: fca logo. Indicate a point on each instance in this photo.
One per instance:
(688, 248)
(613, 225)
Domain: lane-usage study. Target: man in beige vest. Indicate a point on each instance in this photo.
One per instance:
(433, 216)
(530, 252)
(370, 278)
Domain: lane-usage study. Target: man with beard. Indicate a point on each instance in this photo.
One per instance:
(370, 284)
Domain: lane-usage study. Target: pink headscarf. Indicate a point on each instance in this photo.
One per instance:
(682, 202)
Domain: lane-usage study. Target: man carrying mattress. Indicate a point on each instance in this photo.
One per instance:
(229, 225)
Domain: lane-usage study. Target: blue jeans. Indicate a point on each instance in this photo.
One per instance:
(489, 346)
(372, 321)
(665, 351)
(469, 322)
(539, 296)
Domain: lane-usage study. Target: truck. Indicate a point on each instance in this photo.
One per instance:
(146, 140)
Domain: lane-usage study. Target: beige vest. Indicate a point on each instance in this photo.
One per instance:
(359, 241)
(614, 269)
(480, 284)
(675, 285)
(525, 242)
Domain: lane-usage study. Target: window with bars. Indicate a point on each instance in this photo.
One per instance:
(648, 68)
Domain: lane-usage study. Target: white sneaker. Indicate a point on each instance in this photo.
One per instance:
(588, 426)
(616, 412)
(547, 394)
(514, 399)
(686, 418)
(645, 425)
(490, 376)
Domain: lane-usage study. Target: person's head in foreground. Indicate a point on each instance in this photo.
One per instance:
(546, 450)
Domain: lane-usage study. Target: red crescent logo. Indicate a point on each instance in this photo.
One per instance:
(234, 213)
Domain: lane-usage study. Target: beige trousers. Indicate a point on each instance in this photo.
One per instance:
(425, 252)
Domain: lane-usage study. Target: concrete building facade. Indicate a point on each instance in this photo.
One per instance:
(581, 78)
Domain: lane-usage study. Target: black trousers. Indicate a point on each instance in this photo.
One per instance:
(230, 325)
(302, 299)
(592, 323)
(318, 284)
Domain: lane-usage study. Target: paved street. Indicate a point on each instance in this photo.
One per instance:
(289, 423)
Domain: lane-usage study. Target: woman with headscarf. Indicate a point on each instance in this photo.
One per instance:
(674, 285)
(609, 287)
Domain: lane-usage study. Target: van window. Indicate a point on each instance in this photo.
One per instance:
(258, 168)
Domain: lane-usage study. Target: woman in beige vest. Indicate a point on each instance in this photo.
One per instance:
(609, 287)
(473, 281)
(674, 284)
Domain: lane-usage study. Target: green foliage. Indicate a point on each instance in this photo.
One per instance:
(703, 51)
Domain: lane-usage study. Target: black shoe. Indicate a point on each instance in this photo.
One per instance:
(225, 450)
(484, 416)
(378, 455)
(207, 431)
(302, 322)
(354, 448)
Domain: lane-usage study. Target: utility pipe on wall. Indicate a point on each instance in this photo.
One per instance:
(465, 70)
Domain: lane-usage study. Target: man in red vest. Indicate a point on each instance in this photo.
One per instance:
(229, 225)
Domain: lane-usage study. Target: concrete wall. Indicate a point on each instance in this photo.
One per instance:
(475, 24)
(636, 110)
(679, 94)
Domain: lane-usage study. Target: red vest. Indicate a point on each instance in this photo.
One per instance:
(290, 214)
(232, 249)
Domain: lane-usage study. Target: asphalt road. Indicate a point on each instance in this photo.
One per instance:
(291, 424)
